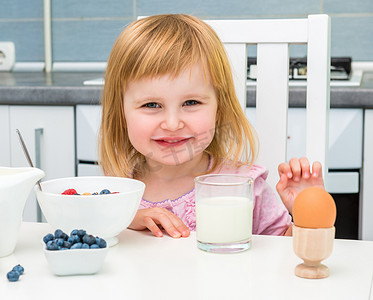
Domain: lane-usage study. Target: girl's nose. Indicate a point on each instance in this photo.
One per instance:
(172, 121)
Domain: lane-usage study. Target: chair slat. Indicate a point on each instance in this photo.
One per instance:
(272, 99)
(238, 60)
(261, 31)
(318, 90)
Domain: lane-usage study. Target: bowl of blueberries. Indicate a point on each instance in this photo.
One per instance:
(79, 253)
(102, 205)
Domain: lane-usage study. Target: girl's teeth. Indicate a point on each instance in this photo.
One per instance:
(172, 141)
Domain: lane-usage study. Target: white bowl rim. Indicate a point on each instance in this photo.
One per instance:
(142, 186)
(75, 250)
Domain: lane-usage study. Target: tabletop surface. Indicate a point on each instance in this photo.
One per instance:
(142, 266)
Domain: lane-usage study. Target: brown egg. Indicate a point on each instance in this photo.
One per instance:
(314, 208)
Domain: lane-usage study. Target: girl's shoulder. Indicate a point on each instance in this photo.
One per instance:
(253, 171)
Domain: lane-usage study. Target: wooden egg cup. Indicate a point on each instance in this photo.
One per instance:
(313, 246)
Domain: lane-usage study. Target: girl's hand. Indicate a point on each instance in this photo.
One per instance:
(295, 177)
(156, 218)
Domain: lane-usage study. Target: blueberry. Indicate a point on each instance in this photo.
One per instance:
(85, 246)
(100, 242)
(94, 246)
(59, 234)
(73, 239)
(48, 238)
(95, 193)
(51, 245)
(64, 236)
(76, 246)
(63, 248)
(59, 242)
(12, 275)
(74, 232)
(66, 245)
(19, 269)
(81, 233)
(89, 239)
(105, 191)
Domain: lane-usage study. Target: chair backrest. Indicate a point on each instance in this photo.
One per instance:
(272, 38)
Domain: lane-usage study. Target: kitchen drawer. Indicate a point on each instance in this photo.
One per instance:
(86, 169)
(88, 119)
(4, 136)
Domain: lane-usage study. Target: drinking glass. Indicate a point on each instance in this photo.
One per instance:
(224, 212)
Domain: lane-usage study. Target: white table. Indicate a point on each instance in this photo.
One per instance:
(142, 266)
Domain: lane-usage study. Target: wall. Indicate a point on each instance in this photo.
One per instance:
(85, 30)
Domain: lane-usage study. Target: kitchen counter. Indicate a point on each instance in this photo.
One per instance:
(67, 88)
(39, 88)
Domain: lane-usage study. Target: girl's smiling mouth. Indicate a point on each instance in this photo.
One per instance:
(171, 141)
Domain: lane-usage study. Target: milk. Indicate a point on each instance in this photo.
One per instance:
(224, 219)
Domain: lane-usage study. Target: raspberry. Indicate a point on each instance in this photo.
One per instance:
(69, 192)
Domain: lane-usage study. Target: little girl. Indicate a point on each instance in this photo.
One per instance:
(170, 113)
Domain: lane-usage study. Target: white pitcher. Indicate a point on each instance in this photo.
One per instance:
(15, 186)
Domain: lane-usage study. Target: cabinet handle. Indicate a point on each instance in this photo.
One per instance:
(38, 134)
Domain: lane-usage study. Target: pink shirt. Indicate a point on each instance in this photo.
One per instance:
(270, 217)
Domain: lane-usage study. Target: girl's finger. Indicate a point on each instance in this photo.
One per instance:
(284, 168)
(165, 221)
(305, 167)
(282, 183)
(295, 168)
(152, 226)
(180, 226)
(316, 169)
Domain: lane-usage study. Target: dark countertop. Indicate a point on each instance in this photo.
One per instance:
(67, 88)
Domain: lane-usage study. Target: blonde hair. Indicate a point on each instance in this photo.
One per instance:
(169, 44)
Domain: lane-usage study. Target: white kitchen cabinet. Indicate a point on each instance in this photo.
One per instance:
(4, 136)
(367, 187)
(51, 129)
(345, 136)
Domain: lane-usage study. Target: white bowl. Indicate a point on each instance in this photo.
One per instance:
(100, 215)
(75, 261)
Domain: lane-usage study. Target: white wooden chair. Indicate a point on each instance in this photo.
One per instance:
(272, 38)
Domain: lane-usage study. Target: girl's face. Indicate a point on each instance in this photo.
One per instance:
(171, 120)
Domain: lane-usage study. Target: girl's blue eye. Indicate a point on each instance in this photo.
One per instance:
(190, 102)
(152, 105)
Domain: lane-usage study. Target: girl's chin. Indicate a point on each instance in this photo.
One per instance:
(172, 160)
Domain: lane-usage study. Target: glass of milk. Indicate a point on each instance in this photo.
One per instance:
(224, 212)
